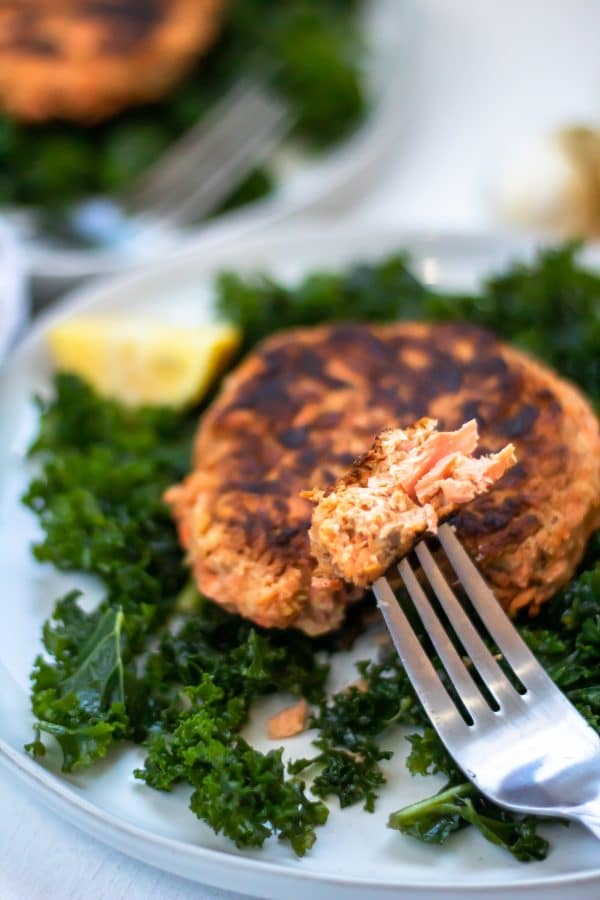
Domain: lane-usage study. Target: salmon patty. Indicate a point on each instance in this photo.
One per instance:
(306, 403)
(85, 60)
(406, 484)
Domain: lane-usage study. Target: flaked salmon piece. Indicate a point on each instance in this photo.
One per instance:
(425, 447)
(401, 489)
(456, 479)
(288, 722)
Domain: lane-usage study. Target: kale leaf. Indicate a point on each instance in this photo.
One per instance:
(98, 497)
(550, 308)
(259, 305)
(243, 658)
(220, 664)
(433, 821)
(80, 700)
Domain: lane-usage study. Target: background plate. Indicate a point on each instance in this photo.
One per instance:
(306, 182)
(355, 855)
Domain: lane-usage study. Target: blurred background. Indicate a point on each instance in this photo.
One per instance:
(130, 129)
(494, 85)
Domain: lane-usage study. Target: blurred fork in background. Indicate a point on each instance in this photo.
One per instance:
(197, 173)
(512, 732)
(202, 168)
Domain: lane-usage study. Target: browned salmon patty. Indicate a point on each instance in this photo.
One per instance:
(85, 60)
(307, 402)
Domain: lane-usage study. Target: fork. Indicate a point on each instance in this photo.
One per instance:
(523, 745)
(197, 173)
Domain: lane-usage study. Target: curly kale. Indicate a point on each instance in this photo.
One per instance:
(199, 687)
(433, 821)
(98, 497)
(550, 308)
(80, 699)
(259, 305)
(236, 789)
(459, 804)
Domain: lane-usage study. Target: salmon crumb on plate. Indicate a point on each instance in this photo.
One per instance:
(289, 722)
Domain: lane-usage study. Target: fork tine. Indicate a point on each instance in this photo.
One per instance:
(181, 154)
(493, 676)
(252, 146)
(504, 634)
(247, 109)
(434, 697)
(458, 673)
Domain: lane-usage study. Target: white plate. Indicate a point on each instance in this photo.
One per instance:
(13, 295)
(355, 854)
(306, 183)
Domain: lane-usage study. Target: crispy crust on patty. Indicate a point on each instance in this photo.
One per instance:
(409, 481)
(302, 407)
(85, 60)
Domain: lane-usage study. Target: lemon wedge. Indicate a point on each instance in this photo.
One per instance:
(138, 361)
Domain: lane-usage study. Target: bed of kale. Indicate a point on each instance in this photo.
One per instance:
(158, 665)
(301, 45)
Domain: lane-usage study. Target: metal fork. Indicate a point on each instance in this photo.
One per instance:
(197, 173)
(526, 748)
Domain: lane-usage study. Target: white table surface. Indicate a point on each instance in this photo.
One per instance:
(485, 75)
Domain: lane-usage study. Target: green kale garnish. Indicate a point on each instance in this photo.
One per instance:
(550, 308)
(201, 684)
(459, 804)
(349, 725)
(433, 821)
(80, 698)
(236, 789)
(98, 497)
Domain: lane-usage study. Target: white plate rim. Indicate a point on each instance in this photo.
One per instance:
(13, 295)
(109, 828)
(141, 844)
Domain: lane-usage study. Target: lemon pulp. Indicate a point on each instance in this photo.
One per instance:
(142, 362)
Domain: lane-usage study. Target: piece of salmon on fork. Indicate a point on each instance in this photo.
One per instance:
(409, 482)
